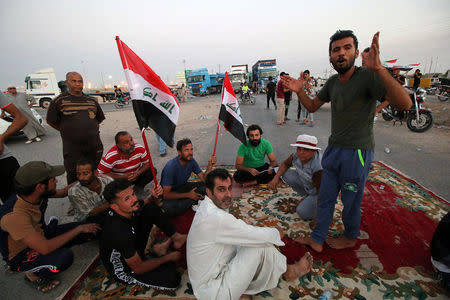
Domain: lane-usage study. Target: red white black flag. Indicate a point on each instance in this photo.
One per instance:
(153, 102)
(230, 113)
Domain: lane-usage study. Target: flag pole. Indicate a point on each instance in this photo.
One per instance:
(217, 134)
(149, 157)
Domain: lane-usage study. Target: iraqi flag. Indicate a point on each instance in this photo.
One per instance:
(389, 63)
(230, 113)
(153, 102)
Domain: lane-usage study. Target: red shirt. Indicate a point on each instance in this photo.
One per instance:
(280, 90)
(115, 162)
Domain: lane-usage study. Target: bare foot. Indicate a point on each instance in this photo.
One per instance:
(341, 242)
(161, 248)
(309, 241)
(300, 268)
(246, 297)
(178, 240)
(41, 284)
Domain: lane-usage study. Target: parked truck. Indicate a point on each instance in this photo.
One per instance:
(201, 83)
(238, 75)
(42, 85)
(261, 71)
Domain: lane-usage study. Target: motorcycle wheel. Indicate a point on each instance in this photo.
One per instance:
(423, 124)
(443, 96)
(386, 116)
(118, 104)
(252, 100)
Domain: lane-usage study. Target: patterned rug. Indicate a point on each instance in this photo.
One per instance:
(390, 261)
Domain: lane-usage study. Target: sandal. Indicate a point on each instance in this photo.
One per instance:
(42, 284)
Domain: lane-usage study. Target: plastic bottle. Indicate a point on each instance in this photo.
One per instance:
(327, 295)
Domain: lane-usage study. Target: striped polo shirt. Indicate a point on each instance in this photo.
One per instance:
(115, 162)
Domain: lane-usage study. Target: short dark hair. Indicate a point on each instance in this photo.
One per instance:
(339, 35)
(113, 188)
(182, 143)
(254, 127)
(86, 161)
(282, 73)
(118, 135)
(28, 190)
(216, 173)
(306, 71)
(270, 78)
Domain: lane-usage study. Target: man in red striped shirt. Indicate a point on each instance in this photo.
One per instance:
(127, 160)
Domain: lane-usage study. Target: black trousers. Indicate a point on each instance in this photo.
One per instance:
(286, 104)
(271, 96)
(177, 207)
(244, 176)
(8, 169)
(61, 259)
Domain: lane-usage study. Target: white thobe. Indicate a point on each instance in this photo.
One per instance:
(227, 257)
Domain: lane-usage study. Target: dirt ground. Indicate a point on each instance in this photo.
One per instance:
(441, 113)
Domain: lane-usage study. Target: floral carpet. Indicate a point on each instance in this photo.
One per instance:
(391, 259)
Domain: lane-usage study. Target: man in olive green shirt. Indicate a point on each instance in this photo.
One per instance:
(250, 161)
(346, 162)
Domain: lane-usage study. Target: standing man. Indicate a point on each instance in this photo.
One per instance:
(229, 259)
(287, 101)
(179, 194)
(127, 160)
(8, 163)
(183, 93)
(86, 196)
(353, 93)
(251, 167)
(280, 100)
(33, 130)
(270, 90)
(417, 76)
(308, 88)
(77, 117)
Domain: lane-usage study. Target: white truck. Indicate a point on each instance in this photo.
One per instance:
(238, 75)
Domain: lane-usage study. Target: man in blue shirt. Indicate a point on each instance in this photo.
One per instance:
(179, 194)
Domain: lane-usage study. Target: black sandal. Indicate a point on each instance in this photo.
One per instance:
(42, 283)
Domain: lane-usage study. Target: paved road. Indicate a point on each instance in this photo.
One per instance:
(422, 156)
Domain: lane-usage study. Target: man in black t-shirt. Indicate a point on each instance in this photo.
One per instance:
(125, 233)
(417, 76)
(270, 90)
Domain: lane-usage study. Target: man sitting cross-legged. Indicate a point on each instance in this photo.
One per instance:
(228, 258)
(86, 196)
(27, 243)
(305, 179)
(179, 194)
(250, 165)
(127, 160)
(126, 229)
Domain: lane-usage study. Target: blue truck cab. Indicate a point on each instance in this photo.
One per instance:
(261, 71)
(201, 83)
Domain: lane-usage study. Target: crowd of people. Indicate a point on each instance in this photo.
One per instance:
(226, 258)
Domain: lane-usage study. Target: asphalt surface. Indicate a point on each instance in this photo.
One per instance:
(422, 156)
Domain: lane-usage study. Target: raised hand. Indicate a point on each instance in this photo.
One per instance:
(372, 58)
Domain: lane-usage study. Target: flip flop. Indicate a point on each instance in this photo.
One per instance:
(42, 283)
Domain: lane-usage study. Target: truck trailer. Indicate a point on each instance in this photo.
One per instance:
(201, 83)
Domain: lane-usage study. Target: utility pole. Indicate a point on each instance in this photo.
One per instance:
(185, 77)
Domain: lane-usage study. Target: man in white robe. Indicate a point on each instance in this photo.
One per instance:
(229, 259)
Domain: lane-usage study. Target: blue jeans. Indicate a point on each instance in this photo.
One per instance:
(162, 145)
(345, 171)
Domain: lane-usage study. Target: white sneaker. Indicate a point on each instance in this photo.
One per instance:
(28, 142)
(37, 139)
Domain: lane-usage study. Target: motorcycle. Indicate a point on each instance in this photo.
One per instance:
(247, 98)
(121, 102)
(418, 119)
(443, 93)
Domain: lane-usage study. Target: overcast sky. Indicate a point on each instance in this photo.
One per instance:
(79, 35)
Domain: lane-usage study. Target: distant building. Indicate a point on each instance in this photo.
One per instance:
(181, 77)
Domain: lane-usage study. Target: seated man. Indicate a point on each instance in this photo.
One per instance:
(305, 179)
(86, 196)
(250, 165)
(440, 251)
(228, 258)
(125, 233)
(179, 194)
(27, 243)
(127, 160)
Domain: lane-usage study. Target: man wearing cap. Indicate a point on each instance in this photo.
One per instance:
(353, 93)
(305, 179)
(250, 160)
(27, 243)
(8, 162)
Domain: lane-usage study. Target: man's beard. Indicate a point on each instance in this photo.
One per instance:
(187, 158)
(343, 69)
(255, 143)
(87, 182)
(127, 151)
(48, 193)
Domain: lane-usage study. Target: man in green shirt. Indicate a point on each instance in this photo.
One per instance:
(250, 161)
(346, 162)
